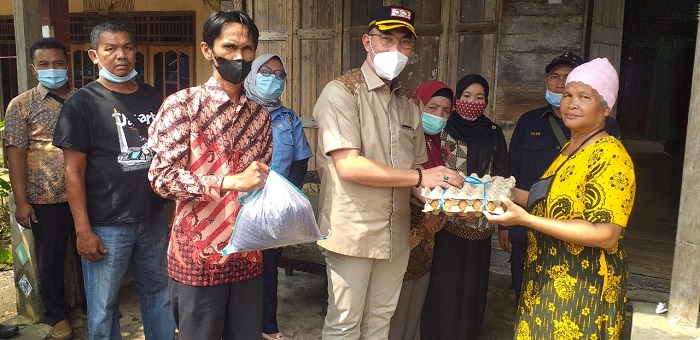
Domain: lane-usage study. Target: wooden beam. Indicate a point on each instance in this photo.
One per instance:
(27, 14)
(685, 286)
(2, 99)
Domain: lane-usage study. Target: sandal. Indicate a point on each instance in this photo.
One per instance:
(277, 336)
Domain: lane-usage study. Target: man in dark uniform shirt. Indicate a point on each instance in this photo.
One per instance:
(537, 139)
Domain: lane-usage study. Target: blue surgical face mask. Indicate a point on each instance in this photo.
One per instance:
(433, 125)
(553, 98)
(52, 78)
(109, 76)
(104, 73)
(269, 87)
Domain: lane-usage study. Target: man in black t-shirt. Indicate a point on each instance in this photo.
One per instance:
(119, 220)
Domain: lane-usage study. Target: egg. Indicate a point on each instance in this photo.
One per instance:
(447, 205)
(490, 206)
(462, 204)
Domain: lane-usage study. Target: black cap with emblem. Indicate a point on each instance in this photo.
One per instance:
(567, 58)
(387, 18)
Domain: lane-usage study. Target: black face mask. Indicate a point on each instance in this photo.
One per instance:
(233, 71)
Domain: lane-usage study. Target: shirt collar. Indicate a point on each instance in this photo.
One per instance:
(278, 112)
(44, 91)
(214, 86)
(548, 110)
(373, 81)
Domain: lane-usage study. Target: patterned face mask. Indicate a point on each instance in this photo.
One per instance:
(470, 110)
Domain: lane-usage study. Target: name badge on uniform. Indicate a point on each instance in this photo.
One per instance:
(535, 133)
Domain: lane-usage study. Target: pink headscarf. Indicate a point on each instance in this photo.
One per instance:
(600, 75)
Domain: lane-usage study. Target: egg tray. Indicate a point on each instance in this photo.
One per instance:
(463, 207)
(476, 195)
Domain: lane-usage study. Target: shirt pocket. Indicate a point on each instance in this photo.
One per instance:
(534, 155)
(283, 135)
(405, 150)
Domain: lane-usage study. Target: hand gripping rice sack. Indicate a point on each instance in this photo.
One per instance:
(277, 215)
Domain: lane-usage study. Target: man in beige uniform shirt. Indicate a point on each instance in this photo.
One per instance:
(370, 146)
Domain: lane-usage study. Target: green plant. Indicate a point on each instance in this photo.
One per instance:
(5, 258)
(5, 190)
(5, 232)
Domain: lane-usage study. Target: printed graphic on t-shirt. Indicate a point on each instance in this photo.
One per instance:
(134, 151)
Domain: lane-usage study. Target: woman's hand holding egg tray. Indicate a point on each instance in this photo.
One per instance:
(477, 194)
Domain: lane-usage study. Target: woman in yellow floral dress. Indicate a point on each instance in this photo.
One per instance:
(575, 275)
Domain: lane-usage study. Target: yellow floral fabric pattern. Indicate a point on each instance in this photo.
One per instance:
(572, 291)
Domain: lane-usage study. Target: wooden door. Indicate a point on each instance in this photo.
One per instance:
(274, 20)
(307, 35)
(429, 59)
(82, 69)
(170, 68)
(472, 42)
(605, 40)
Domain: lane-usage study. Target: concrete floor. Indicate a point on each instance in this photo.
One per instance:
(649, 243)
(302, 300)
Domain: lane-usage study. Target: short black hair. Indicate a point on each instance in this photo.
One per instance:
(47, 43)
(107, 26)
(216, 21)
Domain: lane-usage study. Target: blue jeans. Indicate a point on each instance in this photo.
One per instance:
(142, 247)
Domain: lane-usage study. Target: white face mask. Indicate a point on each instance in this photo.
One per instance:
(388, 65)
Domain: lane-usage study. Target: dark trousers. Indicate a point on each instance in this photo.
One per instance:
(271, 258)
(228, 311)
(51, 238)
(517, 264)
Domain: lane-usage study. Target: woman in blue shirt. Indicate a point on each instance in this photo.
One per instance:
(290, 154)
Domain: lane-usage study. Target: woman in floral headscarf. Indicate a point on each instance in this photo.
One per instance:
(575, 275)
(456, 300)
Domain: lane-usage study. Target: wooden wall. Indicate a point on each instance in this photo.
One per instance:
(606, 30)
(307, 34)
(532, 33)
(319, 40)
(509, 42)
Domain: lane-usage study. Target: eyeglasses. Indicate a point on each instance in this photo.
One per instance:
(390, 40)
(279, 74)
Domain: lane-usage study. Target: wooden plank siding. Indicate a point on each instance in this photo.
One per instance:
(307, 35)
(472, 39)
(425, 63)
(606, 30)
(532, 33)
(509, 42)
